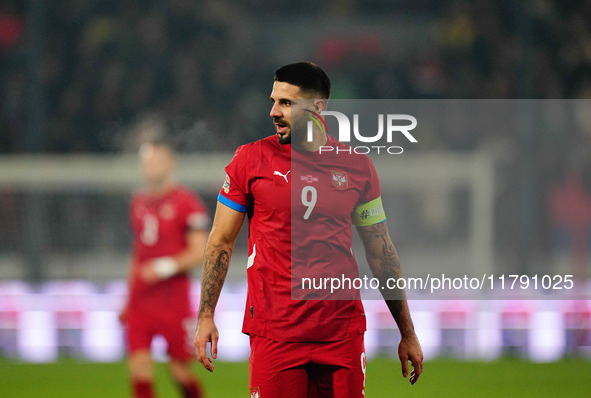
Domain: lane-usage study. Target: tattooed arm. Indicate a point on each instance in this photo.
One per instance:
(384, 264)
(226, 225)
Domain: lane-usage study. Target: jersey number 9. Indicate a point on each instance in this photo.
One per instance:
(309, 198)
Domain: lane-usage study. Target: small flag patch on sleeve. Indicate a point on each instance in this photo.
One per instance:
(226, 186)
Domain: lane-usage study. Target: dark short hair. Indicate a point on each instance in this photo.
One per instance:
(308, 76)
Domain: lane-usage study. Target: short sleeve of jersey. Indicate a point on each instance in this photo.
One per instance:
(369, 209)
(197, 216)
(235, 192)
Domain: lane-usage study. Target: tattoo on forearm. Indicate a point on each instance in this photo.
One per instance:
(376, 237)
(213, 280)
(385, 264)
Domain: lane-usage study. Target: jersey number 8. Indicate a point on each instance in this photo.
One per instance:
(149, 235)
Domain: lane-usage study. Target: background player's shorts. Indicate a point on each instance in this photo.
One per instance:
(176, 330)
(301, 370)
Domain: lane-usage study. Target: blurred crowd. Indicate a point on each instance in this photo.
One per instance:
(205, 67)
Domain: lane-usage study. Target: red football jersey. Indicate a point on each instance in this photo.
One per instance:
(300, 209)
(159, 228)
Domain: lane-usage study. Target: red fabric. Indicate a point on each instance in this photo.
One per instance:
(570, 205)
(159, 228)
(303, 370)
(175, 327)
(11, 30)
(192, 390)
(142, 389)
(267, 178)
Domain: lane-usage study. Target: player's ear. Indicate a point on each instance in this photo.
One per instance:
(320, 105)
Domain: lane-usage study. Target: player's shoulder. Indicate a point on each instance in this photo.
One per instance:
(263, 143)
(347, 154)
(256, 148)
(181, 191)
(138, 196)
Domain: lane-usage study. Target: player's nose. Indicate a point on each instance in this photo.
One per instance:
(275, 112)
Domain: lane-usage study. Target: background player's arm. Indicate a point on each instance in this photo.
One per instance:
(384, 264)
(226, 225)
(184, 261)
(193, 255)
(123, 312)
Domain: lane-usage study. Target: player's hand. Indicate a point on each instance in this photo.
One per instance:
(409, 349)
(149, 275)
(207, 332)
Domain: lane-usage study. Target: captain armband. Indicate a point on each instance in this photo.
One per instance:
(369, 213)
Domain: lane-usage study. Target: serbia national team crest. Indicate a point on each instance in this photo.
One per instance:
(339, 179)
(255, 392)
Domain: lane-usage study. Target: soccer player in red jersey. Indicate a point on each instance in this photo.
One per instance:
(300, 206)
(170, 227)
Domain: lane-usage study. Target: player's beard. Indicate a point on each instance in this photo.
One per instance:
(297, 130)
(285, 138)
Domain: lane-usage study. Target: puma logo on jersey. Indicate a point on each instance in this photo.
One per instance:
(276, 173)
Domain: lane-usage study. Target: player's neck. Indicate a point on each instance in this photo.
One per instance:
(161, 188)
(319, 139)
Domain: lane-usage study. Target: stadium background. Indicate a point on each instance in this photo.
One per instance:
(83, 83)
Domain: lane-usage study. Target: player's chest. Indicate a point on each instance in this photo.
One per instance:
(306, 190)
(161, 215)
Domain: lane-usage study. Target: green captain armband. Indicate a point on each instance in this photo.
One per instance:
(369, 213)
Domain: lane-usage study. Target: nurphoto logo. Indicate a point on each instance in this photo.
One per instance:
(393, 126)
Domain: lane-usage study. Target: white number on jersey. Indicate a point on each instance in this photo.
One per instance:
(149, 235)
(309, 203)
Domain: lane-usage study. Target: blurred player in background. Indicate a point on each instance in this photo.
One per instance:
(170, 228)
(301, 348)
